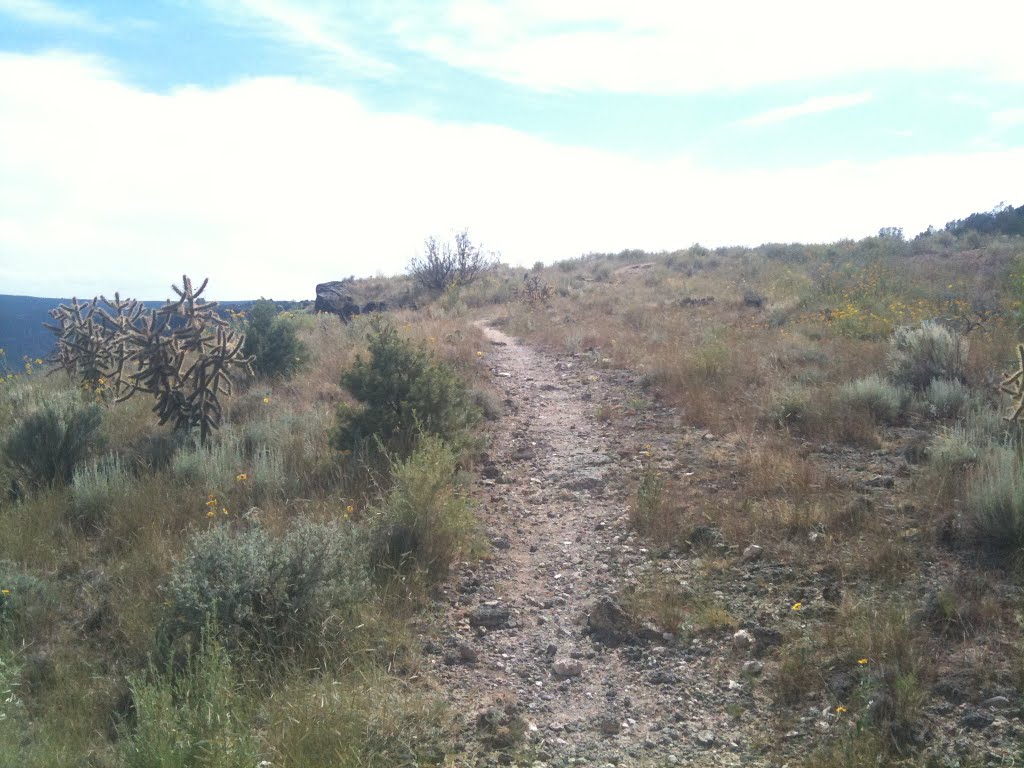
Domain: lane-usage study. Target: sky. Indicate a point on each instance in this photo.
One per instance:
(274, 144)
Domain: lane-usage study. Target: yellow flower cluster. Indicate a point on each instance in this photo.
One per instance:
(212, 505)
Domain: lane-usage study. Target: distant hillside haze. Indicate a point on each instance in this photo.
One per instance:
(21, 325)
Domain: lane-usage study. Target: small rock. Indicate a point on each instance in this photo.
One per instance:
(524, 453)
(742, 640)
(996, 702)
(565, 667)
(752, 667)
(608, 623)
(608, 724)
(490, 616)
(467, 654)
(752, 553)
(706, 739)
(501, 543)
(880, 481)
(977, 720)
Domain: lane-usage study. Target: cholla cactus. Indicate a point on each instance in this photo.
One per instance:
(183, 353)
(1013, 385)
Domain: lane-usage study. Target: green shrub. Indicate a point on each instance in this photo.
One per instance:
(269, 595)
(424, 522)
(195, 718)
(930, 351)
(50, 443)
(404, 392)
(883, 400)
(994, 504)
(271, 340)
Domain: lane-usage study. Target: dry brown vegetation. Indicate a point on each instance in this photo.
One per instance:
(873, 490)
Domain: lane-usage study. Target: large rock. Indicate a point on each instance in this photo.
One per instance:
(331, 297)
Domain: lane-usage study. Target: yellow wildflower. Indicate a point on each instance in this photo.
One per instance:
(211, 513)
(211, 503)
(225, 511)
(840, 709)
(349, 509)
(797, 606)
(479, 353)
(241, 477)
(5, 591)
(39, 361)
(862, 662)
(266, 401)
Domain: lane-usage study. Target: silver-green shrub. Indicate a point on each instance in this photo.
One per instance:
(881, 398)
(931, 351)
(947, 398)
(267, 594)
(95, 488)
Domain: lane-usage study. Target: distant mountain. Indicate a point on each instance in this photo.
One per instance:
(21, 327)
(21, 324)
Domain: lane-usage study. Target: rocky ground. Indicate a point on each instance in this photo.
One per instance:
(538, 648)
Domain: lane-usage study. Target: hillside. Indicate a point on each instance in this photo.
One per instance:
(745, 506)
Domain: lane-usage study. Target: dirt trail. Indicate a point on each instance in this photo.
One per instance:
(515, 651)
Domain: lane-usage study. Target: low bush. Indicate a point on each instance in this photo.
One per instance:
(424, 523)
(94, 489)
(47, 446)
(364, 719)
(879, 397)
(25, 604)
(931, 351)
(946, 398)
(994, 503)
(404, 392)
(270, 595)
(272, 342)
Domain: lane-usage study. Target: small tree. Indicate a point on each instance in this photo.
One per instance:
(443, 265)
(404, 392)
(271, 342)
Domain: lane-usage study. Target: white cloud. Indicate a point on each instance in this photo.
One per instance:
(270, 186)
(808, 107)
(314, 28)
(1007, 118)
(660, 47)
(47, 13)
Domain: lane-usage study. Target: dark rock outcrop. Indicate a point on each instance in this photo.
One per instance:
(331, 297)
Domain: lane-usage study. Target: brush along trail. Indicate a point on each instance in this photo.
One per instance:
(539, 651)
